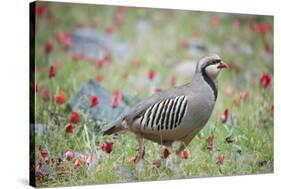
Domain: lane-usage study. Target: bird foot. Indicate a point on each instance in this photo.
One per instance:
(139, 155)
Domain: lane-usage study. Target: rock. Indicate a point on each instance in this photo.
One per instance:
(246, 49)
(196, 47)
(125, 174)
(39, 128)
(101, 112)
(95, 44)
(142, 25)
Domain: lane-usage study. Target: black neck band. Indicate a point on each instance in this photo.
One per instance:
(210, 82)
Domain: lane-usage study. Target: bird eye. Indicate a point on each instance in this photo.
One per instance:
(217, 61)
(214, 61)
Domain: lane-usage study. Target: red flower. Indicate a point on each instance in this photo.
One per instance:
(151, 74)
(236, 102)
(253, 26)
(237, 23)
(261, 28)
(224, 116)
(229, 91)
(48, 47)
(215, 21)
(75, 117)
(100, 63)
(173, 80)
(244, 95)
(43, 152)
(40, 164)
(40, 175)
(107, 58)
(52, 72)
(100, 77)
(40, 10)
(109, 30)
(65, 39)
(272, 109)
(94, 101)
(166, 153)
(90, 159)
(78, 163)
(116, 98)
(220, 159)
(157, 89)
(69, 155)
(45, 94)
(184, 154)
(60, 98)
(107, 147)
(267, 47)
(118, 18)
(69, 128)
(210, 140)
(265, 80)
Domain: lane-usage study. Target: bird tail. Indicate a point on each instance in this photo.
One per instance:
(114, 127)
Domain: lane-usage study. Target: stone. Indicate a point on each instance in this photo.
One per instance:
(142, 25)
(103, 110)
(39, 128)
(125, 174)
(95, 44)
(196, 47)
(246, 49)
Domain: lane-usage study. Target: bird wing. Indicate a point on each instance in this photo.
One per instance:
(138, 110)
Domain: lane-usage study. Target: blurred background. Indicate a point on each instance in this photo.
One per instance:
(99, 60)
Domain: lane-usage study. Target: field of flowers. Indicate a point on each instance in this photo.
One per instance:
(163, 47)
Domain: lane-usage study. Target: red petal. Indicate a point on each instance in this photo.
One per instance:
(94, 101)
(184, 154)
(60, 98)
(69, 155)
(52, 72)
(107, 147)
(116, 98)
(69, 128)
(220, 159)
(224, 116)
(151, 74)
(75, 117)
(166, 153)
(48, 47)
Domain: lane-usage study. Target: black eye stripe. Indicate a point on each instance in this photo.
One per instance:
(215, 61)
(212, 62)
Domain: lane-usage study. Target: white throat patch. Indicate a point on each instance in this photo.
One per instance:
(212, 71)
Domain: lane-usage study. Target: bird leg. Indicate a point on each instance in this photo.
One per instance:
(181, 148)
(141, 149)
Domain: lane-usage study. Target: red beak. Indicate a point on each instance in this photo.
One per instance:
(222, 65)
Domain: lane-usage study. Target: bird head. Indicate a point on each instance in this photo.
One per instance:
(210, 65)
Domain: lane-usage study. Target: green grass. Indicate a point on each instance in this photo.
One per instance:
(251, 124)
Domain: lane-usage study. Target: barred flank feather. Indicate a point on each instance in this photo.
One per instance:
(164, 115)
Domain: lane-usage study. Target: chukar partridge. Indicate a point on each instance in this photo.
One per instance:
(177, 114)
